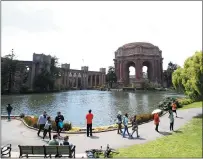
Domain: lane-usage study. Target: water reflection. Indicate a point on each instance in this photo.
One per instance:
(75, 104)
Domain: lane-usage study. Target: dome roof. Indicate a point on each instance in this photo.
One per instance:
(135, 44)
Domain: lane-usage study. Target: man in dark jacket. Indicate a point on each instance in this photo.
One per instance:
(59, 118)
(9, 109)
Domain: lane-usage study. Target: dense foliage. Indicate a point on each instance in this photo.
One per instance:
(8, 64)
(190, 77)
(111, 76)
(168, 73)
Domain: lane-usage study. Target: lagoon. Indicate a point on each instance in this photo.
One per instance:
(75, 104)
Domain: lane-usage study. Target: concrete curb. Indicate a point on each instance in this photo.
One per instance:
(84, 131)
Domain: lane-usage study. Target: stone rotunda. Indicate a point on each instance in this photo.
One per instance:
(139, 54)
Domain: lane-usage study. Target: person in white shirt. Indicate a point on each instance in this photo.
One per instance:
(41, 122)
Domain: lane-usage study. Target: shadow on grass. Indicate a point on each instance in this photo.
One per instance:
(178, 131)
(165, 133)
(200, 116)
(94, 137)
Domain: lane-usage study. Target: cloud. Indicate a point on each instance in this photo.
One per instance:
(27, 18)
(93, 31)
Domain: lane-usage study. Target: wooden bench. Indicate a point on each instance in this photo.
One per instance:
(47, 151)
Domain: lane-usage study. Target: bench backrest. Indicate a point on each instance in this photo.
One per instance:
(41, 150)
(31, 150)
(57, 149)
(63, 149)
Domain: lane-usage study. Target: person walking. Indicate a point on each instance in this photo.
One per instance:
(9, 108)
(125, 123)
(59, 118)
(41, 122)
(134, 127)
(171, 117)
(89, 118)
(156, 121)
(47, 128)
(174, 107)
(119, 122)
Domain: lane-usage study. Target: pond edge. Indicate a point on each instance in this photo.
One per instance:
(83, 130)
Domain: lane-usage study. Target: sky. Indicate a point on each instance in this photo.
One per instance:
(88, 33)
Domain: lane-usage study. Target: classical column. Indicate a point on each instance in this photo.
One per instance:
(91, 81)
(95, 80)
(81, 80)
(76, 80)
(67, 80)
(121, 71)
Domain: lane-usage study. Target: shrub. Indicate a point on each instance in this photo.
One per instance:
(184, 101)
(32, 121)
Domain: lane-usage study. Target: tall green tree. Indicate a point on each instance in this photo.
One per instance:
(9, 65)
(190, 76)
(111, 76)
(168, 73)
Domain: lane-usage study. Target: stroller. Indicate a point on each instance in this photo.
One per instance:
(6, 150)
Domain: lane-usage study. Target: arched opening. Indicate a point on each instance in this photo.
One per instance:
(147, 70)
(130, 73)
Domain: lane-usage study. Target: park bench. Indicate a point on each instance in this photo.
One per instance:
(6, 150)
(47, 151)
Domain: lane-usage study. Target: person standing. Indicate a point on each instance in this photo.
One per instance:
(47, 128)
(171, 117)
(156, 121)
(41, 122)
(125, 123)
(174, 107)
(9, 108)
(89, 118)
(119, 122)
(59, 118)
(134, 126)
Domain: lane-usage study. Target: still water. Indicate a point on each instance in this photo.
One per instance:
(75, 104)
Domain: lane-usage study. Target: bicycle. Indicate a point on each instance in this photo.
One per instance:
(96, 153)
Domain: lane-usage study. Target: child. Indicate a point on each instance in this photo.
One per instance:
(134, 126)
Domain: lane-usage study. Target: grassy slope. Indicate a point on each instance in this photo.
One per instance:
(193, 105)
(186, 143)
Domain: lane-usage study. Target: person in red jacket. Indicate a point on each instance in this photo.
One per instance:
(89, 118)
(156, 121)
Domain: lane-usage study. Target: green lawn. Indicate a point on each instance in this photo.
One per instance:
(186, 143)
(193, 105)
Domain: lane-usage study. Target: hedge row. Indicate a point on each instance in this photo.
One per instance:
(32, 121)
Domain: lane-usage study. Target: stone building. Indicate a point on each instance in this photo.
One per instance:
(69, 77)
(139, 54)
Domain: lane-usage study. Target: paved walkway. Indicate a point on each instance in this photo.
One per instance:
(15, 133)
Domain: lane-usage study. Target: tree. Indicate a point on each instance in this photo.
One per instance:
(111, 76)
(9, 64)
(190, 76)
(168, 73)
